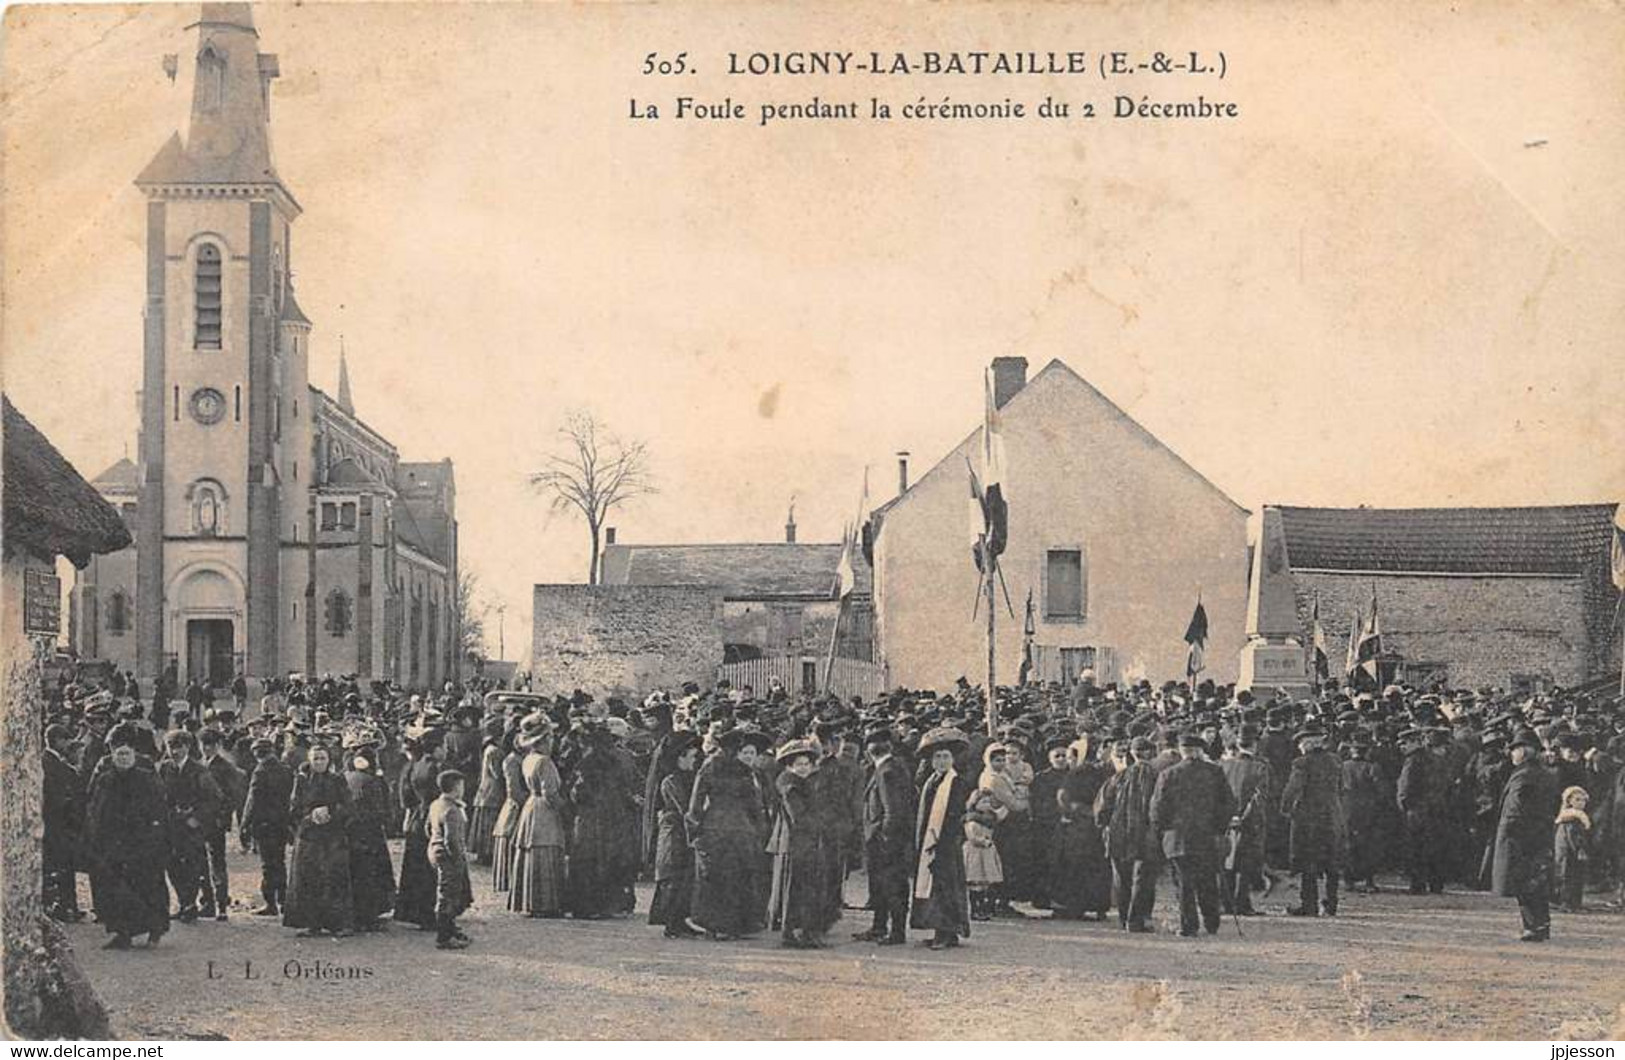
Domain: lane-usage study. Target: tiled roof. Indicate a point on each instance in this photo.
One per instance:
(121, 477)
(349, 473)
(742, 572)
(1551, 540)
(49, 507)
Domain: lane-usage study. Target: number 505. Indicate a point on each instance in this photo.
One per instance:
(654, 64)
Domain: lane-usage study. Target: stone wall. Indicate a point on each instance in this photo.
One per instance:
(624, 639)
(1485, 629)
(45, 995)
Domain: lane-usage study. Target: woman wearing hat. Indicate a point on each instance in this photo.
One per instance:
(674, 861)
(425, 750)
(372, 874)
(802, 904)
(515, 795)
(319, 894)
(1011, 809)
(941, 903)
(603, 850)
(491, 794)
(727, 823)
(538, 838)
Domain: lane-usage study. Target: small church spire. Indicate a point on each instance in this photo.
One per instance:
(346, 402)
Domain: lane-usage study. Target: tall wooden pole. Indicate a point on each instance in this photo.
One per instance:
(834, 636)
(992, 572)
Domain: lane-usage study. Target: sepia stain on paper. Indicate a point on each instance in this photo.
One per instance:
(767, 406)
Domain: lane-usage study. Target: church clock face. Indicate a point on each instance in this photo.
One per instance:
(208, 406)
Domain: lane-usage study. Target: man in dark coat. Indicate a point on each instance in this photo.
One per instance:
(63, 815)
(1123, 814)
(888, 834)
(1490, 769)
(1275, 747)
(1313, 802)
(1421, 796)
(267, 822)
(1523, 838)
(196, 698)
(1250, 783)
(1363, 789)
(233, 785)
(841, 786)
(1190, 809)
(194, 802)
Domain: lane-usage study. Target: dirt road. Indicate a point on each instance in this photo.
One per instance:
(1390, 966)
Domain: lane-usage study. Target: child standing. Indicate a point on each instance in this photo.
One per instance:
(448, 853)
(1572, 849)
(983, 870)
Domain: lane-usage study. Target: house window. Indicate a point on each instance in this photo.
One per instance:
(118, 613)
(1065, 585)
(208, 298)
(347, 516)
(330, 516)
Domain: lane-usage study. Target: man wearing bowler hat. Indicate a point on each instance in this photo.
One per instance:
(888, 839)
(1190, 809)
(1523, 837)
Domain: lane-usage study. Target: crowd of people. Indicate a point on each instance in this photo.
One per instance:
(753, 813)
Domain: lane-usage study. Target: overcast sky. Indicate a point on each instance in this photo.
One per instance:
(1395, 280)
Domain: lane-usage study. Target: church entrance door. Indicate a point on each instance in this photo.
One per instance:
(209, 651)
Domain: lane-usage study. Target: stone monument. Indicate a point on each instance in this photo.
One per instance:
(1273, 656)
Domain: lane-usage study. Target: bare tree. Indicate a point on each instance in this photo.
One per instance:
(470, 617)
(595, 472)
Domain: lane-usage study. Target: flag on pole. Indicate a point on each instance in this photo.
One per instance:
(994, 504)
(1616, 555)
(1196, 641)
(1323, 662)
(1028, 631)
(1370, 645)
(1356, 627)
(846, 575)
(978, 517)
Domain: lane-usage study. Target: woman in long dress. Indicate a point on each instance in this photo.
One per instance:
(605, 817)
(415, 898)
(129, 846)
(515, 795)
(1081, 885)
(727, 823)
(372, 874)
(674, 860)
(538, 841)
(319, 895)
(804, 906)
(941, 902)
(490, 796)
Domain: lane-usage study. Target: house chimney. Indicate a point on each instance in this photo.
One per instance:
(1009, 376)
(609, 535)
(902, 472)
(790, 528)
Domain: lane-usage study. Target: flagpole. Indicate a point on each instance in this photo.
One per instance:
(992, 698)
(834, 636)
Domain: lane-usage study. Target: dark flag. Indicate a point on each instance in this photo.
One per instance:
(1370, 645)
(1323, 662)
(1196, 641)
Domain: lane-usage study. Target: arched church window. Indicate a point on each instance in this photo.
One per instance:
(118, 613)
(208, 297)
(211, 71)
(339, 613)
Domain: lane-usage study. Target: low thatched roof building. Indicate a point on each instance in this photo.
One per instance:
(50, 509)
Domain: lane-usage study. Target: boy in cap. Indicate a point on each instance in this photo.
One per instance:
(448, 853)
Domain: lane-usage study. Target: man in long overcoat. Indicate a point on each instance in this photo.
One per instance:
(888, 840)
(1523, 838)
(1123, 814)
(1251, 782)
(1313, 802)
(1363, 790)
(1190, 809)
(63, 815)
(194, 803)
(267, 821)
(1421, 798)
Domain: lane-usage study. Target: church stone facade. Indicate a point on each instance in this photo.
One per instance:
(275, 531)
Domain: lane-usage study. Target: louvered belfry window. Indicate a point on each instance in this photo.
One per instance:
(208, 297)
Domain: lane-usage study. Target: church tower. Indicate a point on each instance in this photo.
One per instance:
(223, 372)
